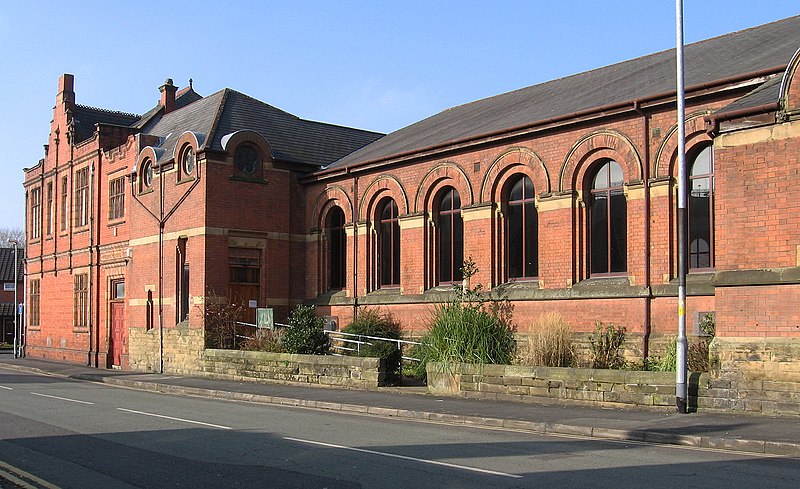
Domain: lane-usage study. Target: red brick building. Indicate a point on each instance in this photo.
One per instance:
(562, 193)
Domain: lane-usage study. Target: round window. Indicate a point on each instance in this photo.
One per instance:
(147, 173)
(246, 159)
(187, 161)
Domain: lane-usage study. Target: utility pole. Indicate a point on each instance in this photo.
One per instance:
(680, 368)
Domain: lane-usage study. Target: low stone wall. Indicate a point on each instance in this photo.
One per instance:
(357, 372)
(182, 352)
(612, 388)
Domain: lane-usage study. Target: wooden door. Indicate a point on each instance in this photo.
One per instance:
(117, 338)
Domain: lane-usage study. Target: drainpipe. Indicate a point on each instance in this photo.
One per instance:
(91, 264)
(355, 246)
(637, 106)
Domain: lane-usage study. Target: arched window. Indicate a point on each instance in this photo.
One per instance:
(388, 243)
(701, 209)
(522, 230)
(450, 236)
(608, 221)
(336, 249)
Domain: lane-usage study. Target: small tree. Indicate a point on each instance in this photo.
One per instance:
(306, 334)
(220, 319)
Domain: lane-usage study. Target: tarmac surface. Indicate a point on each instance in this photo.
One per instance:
(739, 432)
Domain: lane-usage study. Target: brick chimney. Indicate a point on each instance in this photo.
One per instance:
(66, 94)
(168, 95)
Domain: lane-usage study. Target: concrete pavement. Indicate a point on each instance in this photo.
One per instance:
(745, 433)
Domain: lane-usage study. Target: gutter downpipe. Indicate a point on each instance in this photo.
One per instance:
(91, 265)
(637, 106)
(355, 245)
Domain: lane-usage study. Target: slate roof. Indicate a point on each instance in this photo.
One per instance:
(758, 48)
(766, 93)
(292, 139)
(7, 264)
(85, 119)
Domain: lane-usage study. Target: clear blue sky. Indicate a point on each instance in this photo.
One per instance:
(376, 65)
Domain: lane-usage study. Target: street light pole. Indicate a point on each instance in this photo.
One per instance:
(17, 339)
(680, 368)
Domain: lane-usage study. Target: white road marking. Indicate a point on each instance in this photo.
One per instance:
(403, 457)
(6, 388)
(61, 398)
(175, 419)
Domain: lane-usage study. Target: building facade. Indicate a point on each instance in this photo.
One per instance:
(563, 194)
(12, 281)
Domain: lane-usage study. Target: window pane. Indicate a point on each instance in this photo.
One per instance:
(445, 249)
(599, 231)
(515, 243)
(531, 240)
(396, 253)
(336, 248)
(616, 178)
(601, 178)
(702, 162)
(516, 191)
(385, 238)
(619, 232)
(458, 246)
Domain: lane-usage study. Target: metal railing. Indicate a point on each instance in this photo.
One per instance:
(359, 339)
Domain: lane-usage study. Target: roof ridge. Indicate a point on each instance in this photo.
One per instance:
(625, 61)
(261, 102)
(343, 127)
(108, 111)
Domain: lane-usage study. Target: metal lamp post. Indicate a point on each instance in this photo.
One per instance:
(17, 339)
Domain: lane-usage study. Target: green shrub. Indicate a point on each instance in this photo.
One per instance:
(305, 334)
(606, 346)
(467, 333)
(370, 322)
(549, 343)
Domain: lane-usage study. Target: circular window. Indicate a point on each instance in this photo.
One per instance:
(147, 173)
(246, 159)
(187, 161)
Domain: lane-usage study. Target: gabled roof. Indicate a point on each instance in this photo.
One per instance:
(292, 140)
(760, 48)
(85, 119)
(7, 264)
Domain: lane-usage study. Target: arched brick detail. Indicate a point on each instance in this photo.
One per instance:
(334, 195)
(514, 161)
(383, 185)
(443, 174)
(790, 85)
(194, 139)
(668, 150)
(600, 144)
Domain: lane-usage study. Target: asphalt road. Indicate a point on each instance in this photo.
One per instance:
(84, 435)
